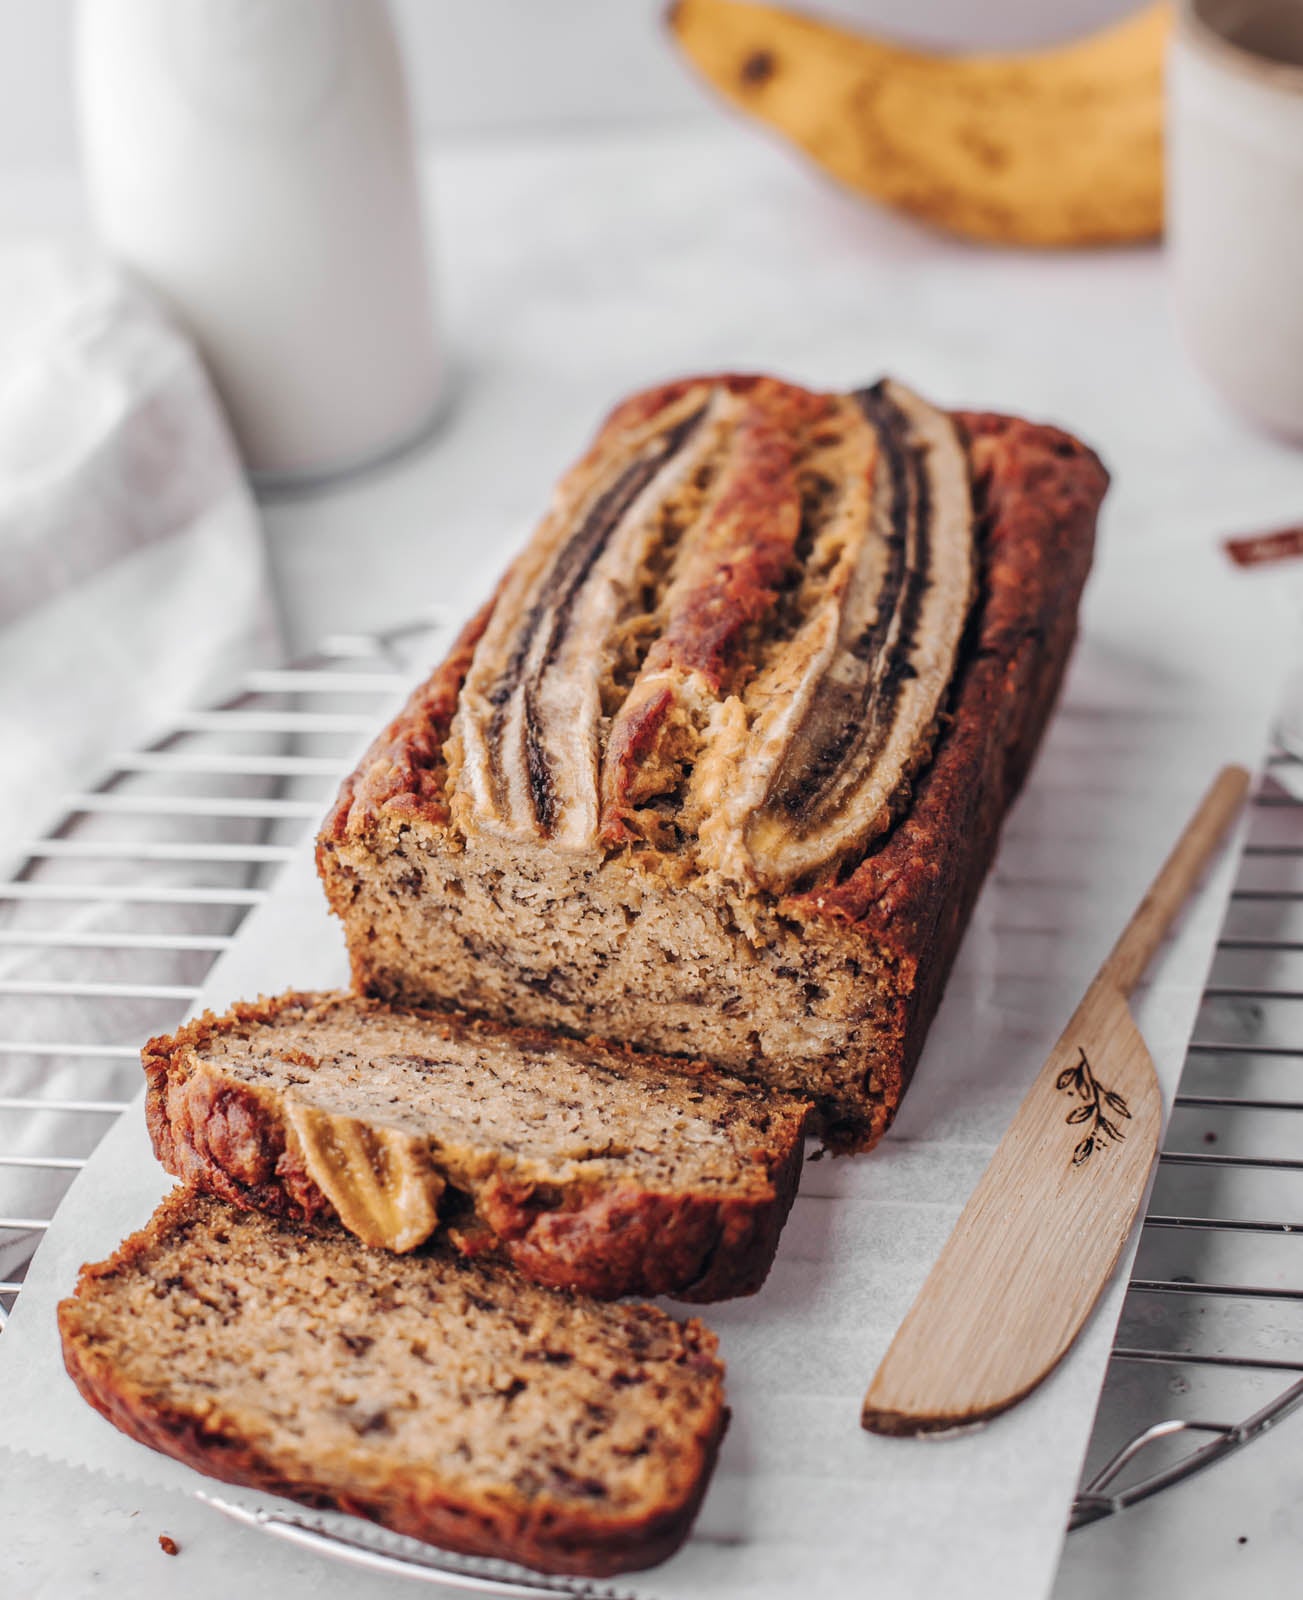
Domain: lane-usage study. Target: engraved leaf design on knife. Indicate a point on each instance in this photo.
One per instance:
(1098, 1106)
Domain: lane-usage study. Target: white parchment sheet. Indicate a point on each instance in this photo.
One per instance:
(804, 1502)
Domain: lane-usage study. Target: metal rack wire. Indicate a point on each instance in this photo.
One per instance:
(111, 922)
(1214, 1310)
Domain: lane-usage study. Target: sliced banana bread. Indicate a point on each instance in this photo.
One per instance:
(590, 1167)
(720, 769)
(447, 1399)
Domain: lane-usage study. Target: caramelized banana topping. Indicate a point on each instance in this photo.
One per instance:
(733, 637)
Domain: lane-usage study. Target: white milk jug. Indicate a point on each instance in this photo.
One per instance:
(253, 160)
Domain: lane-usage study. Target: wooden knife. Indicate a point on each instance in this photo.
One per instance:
(1043, 1230)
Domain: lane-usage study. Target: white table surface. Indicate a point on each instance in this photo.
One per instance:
(571, 271)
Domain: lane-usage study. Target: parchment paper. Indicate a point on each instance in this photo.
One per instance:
(804, 1502)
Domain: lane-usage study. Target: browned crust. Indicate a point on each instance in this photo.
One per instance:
(222, 1136)
(644, 404)
(403, 769)
(537, 1533)
(1039, 492)
(229, 1139)
(627, 1241)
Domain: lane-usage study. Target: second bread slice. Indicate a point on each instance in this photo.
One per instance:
(591, 1168)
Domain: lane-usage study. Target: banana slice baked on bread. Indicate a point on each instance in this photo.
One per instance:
(589, 1167)
(446, 1399)
(720, 769)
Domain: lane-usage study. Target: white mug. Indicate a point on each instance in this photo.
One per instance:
(1235, 200)
(254, 161)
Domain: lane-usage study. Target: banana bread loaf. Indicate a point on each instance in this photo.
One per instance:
(590, 1168)
(447, 1399)
(720, 769)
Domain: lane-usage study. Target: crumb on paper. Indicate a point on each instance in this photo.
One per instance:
(168, 1545)
(1252, 550)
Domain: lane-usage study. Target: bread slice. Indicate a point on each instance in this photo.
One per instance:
(589, 1167)
(721, 767)
(446, 1399)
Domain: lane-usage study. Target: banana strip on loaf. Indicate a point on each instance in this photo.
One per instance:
(447, 1399)
(719, 770)
(586, 1166)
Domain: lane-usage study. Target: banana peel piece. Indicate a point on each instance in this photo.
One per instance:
(1059, 146)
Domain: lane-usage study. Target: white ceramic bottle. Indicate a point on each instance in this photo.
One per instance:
(254, 161)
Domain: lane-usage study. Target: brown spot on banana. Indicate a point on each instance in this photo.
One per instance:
(758, 68)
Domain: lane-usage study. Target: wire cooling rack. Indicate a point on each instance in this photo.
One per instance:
(111, 922)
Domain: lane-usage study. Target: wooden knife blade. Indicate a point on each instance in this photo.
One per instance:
(1044, 1228)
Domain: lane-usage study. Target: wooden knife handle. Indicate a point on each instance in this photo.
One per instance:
(1170, 889)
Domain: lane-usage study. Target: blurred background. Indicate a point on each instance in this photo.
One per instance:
(565, 63)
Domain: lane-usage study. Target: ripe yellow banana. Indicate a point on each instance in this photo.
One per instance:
(1059, 146)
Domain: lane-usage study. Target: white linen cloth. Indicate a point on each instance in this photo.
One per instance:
(132, 585)
(132, 579)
